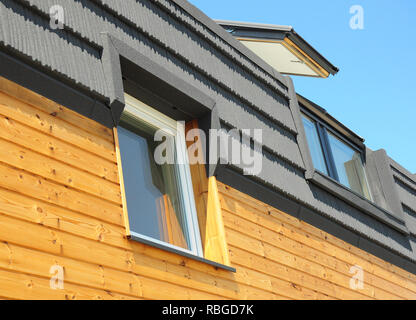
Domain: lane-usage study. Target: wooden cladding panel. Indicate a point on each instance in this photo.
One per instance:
(60, 204)
(50, 123)
(51, 107)
(47, 145)
(266, 240)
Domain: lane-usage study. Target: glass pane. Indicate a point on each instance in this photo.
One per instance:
(314, 144)
(152, 191)
(349, 166)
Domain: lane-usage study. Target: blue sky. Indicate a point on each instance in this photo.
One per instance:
(374, 93)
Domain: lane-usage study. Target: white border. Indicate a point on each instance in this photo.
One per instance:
(143, 112)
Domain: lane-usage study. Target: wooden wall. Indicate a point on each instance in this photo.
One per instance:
(60, 204)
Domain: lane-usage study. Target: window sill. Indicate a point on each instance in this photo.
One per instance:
(182, 253)
(357, 201)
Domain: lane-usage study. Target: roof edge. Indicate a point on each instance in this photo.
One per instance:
(312, 52)
(288, 32)
(253, 25)
(332, 121)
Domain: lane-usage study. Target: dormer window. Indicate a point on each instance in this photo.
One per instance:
(335, 156)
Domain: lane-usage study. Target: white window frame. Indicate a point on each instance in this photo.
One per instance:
(323, 130)
(142, 112)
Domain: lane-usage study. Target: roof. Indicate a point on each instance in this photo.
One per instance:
(270, 31)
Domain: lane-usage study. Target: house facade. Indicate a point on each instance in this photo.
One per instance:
(86, 212)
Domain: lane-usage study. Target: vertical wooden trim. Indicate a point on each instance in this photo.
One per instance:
(208, 206)
(199, 184)
(216, 248)
(122, 188)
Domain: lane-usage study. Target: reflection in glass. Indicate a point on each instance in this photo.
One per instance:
(152, 190)
(349, 166)
(314, 144)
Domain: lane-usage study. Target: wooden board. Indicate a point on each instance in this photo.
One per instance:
(207, 203)
(60, 203)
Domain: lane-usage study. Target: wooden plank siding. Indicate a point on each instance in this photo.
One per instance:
(61, 204)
